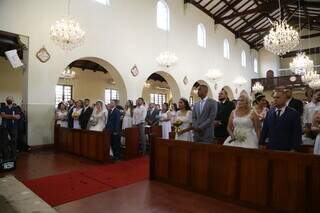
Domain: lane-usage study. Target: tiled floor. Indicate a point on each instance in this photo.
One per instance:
(145, 196)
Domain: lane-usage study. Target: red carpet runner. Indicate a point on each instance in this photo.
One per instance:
(63, 188)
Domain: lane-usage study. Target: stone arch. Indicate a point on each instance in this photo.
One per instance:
(193, 93)
(174, 93)
(118, 82)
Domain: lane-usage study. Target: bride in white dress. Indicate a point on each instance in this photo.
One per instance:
(184, 115)
(99, 117)
(316, 128)
(243, 126)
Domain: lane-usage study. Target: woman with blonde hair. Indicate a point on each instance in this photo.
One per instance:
(243, 126)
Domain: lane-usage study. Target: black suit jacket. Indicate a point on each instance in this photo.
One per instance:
(69, 116)
(113, 123)
(224, 111)
(151, 118)
(297, 105)
(85, 117)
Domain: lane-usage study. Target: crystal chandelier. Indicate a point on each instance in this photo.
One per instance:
(240, 81)
(281, 39)
(310, 76)
(257, 87)
(301, 64)
(167, 59)
(68, 74)
(213, 74)
(67, 33)
(315, 84)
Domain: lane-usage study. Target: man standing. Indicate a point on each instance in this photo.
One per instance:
(70, 111)
(10, 115)
(152, 114)
(281, 127)
(85, 114)
(292, 102)
(225, 108)
(139, 116)
(203, 116)
(113, 125)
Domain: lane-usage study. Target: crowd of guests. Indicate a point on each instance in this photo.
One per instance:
(284, 124)
(13, 130)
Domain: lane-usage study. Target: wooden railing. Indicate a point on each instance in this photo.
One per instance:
(274, 82)
(261, 179)
(89, 144)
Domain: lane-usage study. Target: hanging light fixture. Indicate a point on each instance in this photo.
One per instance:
(309, 77)
(67, 74)
(301, 64)
(257, 87)
(167, 59)
(282, 38)
(213, 74)
(67, 33)
(240, 81)
(315, 84)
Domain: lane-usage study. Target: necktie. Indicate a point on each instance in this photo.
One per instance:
(278, 112)
(201, 105)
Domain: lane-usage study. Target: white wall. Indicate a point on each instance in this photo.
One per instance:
(10, 81)
(268, 61)
(122, 34)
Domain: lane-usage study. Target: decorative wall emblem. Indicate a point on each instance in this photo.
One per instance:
(43, 55)
(185, 80)
(134, 70)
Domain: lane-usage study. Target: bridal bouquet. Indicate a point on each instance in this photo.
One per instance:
(177, 125)
(239, 135)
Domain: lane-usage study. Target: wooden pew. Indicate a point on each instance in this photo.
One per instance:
(132, 143)
(89, 144)
(262, 179)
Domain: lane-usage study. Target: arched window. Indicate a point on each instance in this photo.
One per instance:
(243, 59)
(163, 15)
(255, 65)
(226, 49)
(201, 35)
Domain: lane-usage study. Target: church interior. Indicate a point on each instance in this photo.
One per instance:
(159, 106)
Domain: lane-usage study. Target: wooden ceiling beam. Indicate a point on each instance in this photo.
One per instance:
(311, 51)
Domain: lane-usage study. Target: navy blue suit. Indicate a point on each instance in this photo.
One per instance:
(284, 132)
(113, 125)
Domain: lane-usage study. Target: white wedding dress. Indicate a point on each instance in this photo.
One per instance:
(244, 126)
(186, 123)
(316, 150)
(99, 119)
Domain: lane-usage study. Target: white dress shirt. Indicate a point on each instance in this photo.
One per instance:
(139, 115)
(309, 110)
(202, 103)
(282, 110)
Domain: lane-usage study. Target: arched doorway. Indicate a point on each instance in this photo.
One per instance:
(161, 87)
(229, 91)
(91, 78)
(194, 91)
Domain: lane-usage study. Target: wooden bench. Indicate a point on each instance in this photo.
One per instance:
(262, 179)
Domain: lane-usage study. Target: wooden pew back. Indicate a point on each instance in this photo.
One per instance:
(262, 179)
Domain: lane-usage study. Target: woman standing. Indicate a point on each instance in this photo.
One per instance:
(61, 115)
(243, 126)
(260, 106)
(76, 113)
(165, 120)
(316, 128)
(127, 119)
(99, 117)
(173, 112)
(184, 116)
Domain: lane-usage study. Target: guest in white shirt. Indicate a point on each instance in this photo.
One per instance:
(61, 115)
(76, 114)
(308, 115)
(165, 121)
(139, 116)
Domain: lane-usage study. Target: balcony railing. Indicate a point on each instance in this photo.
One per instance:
(274, 82)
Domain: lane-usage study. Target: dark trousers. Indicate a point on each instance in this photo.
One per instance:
(116, 146)
(8, 147)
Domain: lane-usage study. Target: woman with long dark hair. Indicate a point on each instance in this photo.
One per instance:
(183, 121)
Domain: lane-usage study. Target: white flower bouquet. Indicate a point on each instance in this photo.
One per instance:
(239, 135)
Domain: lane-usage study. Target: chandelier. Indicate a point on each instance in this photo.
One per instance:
(167, 59)
(240, 81)
(213, 74)
(281, 38)
(301, 64)
(257, 87)
(310, 76)
(67, 33)
(315, 84)
(68, 74)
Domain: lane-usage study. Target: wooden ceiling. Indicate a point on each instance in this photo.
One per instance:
(87, 65)
(249, 19)
(10, 41)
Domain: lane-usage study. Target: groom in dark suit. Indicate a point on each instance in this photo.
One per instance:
(281, 127)
(113, 125)
(85, 114)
